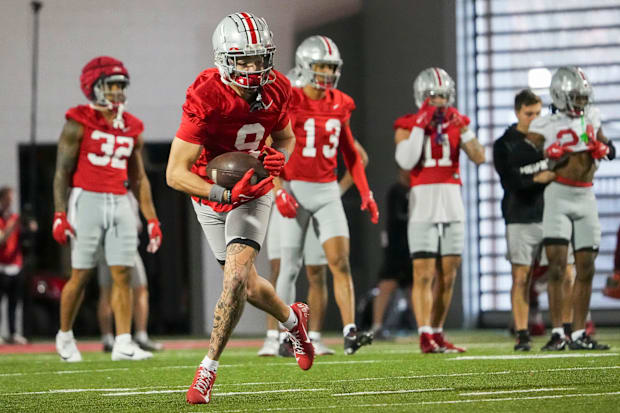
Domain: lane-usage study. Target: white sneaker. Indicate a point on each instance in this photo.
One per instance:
(270, 347)
(321, 349)
(67, 349)
(129, 351)
(19, 339)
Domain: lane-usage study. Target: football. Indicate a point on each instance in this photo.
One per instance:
(228, 168)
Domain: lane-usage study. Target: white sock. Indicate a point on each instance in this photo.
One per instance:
(209, 364)
(142, 336)
(437, 330)
(283, 335)
(273, 334)
(347, 329)
(425, 329)
(107, 338)
(558, 330)
(123, 338)
(291, 322)
(577, 334)
(314, 335)
(65, 335)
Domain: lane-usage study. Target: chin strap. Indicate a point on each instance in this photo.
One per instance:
(118, 122)
(258, 103)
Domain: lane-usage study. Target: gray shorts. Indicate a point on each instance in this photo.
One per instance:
(428, 239)
(524, 242)
(101, 220)
(246, 222)
(138, 274)
(313, 250)
(320, 206)
(571, 214)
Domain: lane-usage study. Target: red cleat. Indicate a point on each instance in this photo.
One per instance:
(590, 328)
(446, 346)
(612, 288)
(427, 344)
(302, 346)
(200, 390)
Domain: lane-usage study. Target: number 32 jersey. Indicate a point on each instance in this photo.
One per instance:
(104, 150)
(215, 117)
(317, 125)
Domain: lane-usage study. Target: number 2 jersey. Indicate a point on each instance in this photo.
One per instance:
(104, 150)
(215, 117)
(317, 125)
(435, 180)
(568, 129)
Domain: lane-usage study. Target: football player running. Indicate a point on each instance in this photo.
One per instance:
(428, 144)
(574, 141)
(99, 157)
(235, 107)
(314, 260)
(309, 194)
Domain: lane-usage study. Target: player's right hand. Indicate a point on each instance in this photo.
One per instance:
(244, 191)
(61, 228)
(286, 203)
(555, 150)
(369, 203)
(425, 114)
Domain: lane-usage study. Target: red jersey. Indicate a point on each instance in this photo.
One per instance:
(10, 250)
(104, 150)
(319, 127)
(215, 117)
(439, 163)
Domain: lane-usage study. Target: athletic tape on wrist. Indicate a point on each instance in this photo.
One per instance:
(467, 136)
(285, 153)
(217, 194)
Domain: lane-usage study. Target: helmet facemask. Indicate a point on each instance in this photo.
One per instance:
(576, 103)
(431, 82)
(109, 91)
(323, 80)
(248, 79)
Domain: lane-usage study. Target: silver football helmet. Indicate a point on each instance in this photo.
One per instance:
(244, 36)
(433, 81)
(296, 77)
(319, 50)
(570, 90)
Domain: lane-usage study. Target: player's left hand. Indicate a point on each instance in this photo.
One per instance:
(598, 149)
(273, 160)
(155, 235)
(456, 118)
(286, 203)
(368, 203)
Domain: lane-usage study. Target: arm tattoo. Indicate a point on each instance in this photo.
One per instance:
(228, 310)
(66, 160)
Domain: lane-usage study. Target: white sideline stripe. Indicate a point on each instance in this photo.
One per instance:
(541, 356)
(362, 393)
(234, 393)
(85, 390)
(64, 372)
(486, 393)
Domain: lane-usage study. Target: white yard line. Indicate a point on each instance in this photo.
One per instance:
(240, 393)
(533, 356)
(63, 372)
(486, 393)
(363, 393)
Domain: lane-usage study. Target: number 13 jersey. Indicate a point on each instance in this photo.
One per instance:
(317, 125)
(104, 150)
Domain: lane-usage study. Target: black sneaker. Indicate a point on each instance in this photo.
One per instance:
(286, 348)
(585, 342)
(107, 347)
(149, 345)
(556, 343)
(356, 339)
(523, 345)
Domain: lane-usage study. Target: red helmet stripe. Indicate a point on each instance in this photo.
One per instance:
(249, 21)
(438, 75)
(329, 46)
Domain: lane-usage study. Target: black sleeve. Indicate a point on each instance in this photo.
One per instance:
(509, 170)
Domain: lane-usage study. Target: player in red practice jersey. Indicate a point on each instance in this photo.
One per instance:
(310, 193)
(428, 143)
(235, 107)
(100, 157)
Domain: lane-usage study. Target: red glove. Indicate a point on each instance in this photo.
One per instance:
(425, 114)
(368, 203)
(61, 228)
(556, 150)
(244, 191)
(286, 203)
(155, 235)
(457, 119)
(273, 160)
(598, 149)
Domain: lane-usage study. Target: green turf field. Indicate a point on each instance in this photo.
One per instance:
(392, 377)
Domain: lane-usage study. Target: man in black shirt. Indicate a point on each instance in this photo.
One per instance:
(523, 173)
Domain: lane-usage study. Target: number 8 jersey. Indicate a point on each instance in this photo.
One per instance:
(317, 125)
(104, 150)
